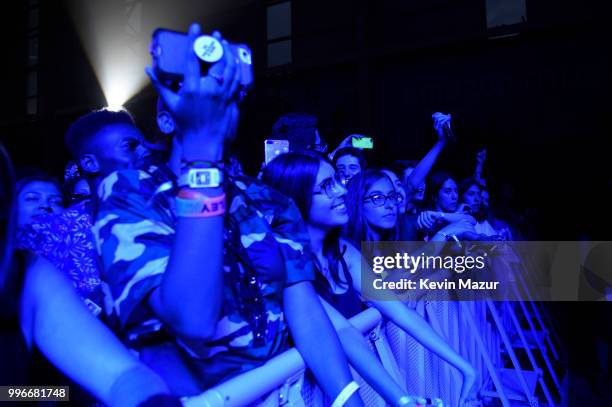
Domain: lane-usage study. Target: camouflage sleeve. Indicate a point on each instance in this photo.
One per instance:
(290, 231)
(273, 232)
(133, 236)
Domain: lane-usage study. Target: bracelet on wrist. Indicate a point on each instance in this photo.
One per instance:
(345, 394)
(194, 204)
(202, 164)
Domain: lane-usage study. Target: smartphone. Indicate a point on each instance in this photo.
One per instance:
(448, 131)
(169, 49)
(363, 142)
(274, 148)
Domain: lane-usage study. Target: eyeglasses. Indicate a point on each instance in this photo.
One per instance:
(331, 187)
(380, 199)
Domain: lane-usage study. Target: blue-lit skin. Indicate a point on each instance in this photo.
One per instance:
(119, 147)
(328, 212)
(38, 198)
(382, 217)
(447, 197)
(81, 187)
(418, 195)
(472, 198)
(415, 177)
(325, 214)
(484, 200)
(53, 318)
(399, 188)
(115, 147)
(348, 166)
(405, 318)
(206, 115)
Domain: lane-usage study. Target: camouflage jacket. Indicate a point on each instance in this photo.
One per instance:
(134, 232)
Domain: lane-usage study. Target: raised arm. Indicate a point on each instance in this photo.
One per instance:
(54, 318)
(205, 110)
(424, 166)
(481, 156)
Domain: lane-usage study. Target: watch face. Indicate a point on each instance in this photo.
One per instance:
(202, 178)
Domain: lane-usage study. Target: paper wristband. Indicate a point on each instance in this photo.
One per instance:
(201, 207)
(345, 394)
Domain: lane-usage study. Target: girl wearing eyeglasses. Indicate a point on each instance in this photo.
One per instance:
(373, 203)
(310, 180)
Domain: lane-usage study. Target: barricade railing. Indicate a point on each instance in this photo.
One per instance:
(257, 384)
(477, 330)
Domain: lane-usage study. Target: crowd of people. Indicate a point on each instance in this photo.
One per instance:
(203, 272)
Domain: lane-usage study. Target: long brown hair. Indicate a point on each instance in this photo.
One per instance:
(358, 229)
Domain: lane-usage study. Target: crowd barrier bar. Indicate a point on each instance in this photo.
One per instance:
(255, 384)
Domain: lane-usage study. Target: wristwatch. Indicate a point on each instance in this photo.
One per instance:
(201, 178)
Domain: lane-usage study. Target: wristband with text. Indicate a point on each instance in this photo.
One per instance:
(191, 204)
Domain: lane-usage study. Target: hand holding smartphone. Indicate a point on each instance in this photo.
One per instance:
(168, 50)
(362, 142)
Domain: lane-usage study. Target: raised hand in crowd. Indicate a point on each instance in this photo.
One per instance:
(481, 156)
(415, 181)
(442, 126)
(346, 142)
(205, 108)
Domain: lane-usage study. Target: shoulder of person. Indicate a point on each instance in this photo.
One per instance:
(256, 189)
(350, 251)
(124, 181)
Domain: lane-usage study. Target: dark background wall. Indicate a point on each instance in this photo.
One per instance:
(537, 100)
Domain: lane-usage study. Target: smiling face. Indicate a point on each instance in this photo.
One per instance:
(380, 216)
(327, 209)
(446, 200)
(38, 198)
(348, 166)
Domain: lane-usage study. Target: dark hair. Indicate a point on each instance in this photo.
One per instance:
(23, 182)
(298, 128)
(358, 229)
(355, 152)
(399, 166)
(467, 184)
(434, 185)
(81, 132)
(294, 174)
(8, 274)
